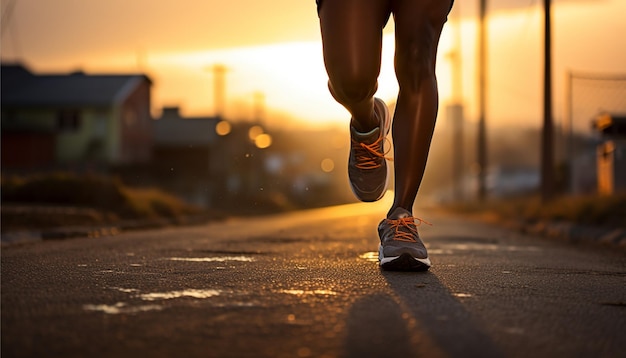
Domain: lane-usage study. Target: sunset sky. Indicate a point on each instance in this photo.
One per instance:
(274, 47)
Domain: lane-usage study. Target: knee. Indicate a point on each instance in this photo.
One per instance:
(415, 60)
(347, 89)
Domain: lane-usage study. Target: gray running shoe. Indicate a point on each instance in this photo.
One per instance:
(367, 165)
(400, 246)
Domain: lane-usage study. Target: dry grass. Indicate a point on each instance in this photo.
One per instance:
(586, 210)
(63, 199)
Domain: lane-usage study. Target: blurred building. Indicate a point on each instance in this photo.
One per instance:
(83, 122)
(184, 154)
(208, 160)
(245, 167)
(73, 120)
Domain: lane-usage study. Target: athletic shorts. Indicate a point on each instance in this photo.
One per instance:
(319, 4)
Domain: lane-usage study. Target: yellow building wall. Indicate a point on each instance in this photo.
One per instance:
(89, 142)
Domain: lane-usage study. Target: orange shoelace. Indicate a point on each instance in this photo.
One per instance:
(367, 155)
(409, 224)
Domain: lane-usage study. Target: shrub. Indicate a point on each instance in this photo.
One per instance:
(103, 193)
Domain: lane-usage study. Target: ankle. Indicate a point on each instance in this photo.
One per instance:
(394, 207)
(365, 126)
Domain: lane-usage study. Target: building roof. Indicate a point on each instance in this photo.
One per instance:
(22, 88)
(172, 129)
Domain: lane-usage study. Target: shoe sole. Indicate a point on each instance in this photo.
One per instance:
(370, 199)
(404, 262)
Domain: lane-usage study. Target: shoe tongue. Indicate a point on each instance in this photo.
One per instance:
(400, 213)
(367, 137)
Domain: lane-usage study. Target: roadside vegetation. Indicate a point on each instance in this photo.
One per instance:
(62, 199)
(593, 210)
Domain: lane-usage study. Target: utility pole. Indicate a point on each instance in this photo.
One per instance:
(482, 84)
(258, 105)
(547, 148)
(219, 89)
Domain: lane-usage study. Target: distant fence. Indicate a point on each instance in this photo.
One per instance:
(587, 96)
(590, 94)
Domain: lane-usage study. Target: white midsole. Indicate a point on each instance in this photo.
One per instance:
(383, 260)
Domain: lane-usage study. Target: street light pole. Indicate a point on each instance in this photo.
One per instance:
(547, 149)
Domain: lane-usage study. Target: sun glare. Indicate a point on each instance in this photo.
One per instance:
(280, 56)
(291, 76)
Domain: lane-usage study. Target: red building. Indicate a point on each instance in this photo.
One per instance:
(61, 120)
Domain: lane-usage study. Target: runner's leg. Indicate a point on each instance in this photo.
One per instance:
(418, 28)
(352, 40)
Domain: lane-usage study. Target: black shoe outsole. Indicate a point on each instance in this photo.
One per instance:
(405, 262)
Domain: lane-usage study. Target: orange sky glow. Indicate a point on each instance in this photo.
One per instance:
(274, 48)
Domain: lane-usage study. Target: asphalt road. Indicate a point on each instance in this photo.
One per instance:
(307, 284)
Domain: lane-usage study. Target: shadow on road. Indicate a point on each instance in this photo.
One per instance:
(419, 316)
(376, 328)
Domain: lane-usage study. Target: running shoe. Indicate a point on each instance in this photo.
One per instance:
(401, 248)
(367, 165)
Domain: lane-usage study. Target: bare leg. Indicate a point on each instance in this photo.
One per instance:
(418, 28)
(352, 39)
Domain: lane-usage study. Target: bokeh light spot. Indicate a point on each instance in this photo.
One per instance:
(223, 128)
(263, 141)
(254, 132)
(328, 165)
